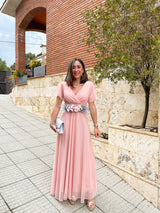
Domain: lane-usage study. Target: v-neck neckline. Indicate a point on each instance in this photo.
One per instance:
(78, 91)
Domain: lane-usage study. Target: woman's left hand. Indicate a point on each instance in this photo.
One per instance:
(97, 132)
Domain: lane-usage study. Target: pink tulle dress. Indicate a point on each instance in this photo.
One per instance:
(74, 172)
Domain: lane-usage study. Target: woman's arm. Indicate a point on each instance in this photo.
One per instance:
(56, 109)
(93, 112)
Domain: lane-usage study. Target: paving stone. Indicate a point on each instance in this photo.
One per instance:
(52, 146)
(33, 167)
(48, 139)
(21, 156)
(5, 161)
(65, 206)
(107, 177)
(85, 210)
(15, 118)
(44, 124)
(1, 152)
(7, 138)
(100, 188)
(24, 124)
(10, 115)
(40, 124)
(40, 205)
(147, 207)
(48, 160)
(34, 121)
(22, 136)
(43, 181)
(3, 121)
(8, 125)
(39, 133)
(41, 151)
(27, 115)
(9, 175)
(99, 164)
(128, 193)
(30, 128)
(1, 116)
(10, 147)
(15, 130)
(19, 193)
(111, 202)
(7, 113)
(3, 132)
(30, 143)
(52, 133)
(137, 211)
(3, 207)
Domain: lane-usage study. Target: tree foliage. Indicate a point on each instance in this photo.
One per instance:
(12, 67)
(125, 36)
(3, 65)
(29, 56)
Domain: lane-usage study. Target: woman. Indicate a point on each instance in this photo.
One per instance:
(74, 172)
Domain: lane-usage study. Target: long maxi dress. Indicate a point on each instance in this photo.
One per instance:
(74, 172)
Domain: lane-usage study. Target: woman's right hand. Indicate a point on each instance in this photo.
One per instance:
(56, 109)
(53, 127)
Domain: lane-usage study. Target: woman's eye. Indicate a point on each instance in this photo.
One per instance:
(78, 67)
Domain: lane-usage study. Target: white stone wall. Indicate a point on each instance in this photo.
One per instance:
(133, 155)
(115, 104)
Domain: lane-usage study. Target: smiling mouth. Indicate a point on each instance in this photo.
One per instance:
(76, 73)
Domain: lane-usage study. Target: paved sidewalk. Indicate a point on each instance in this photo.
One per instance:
(27, 147)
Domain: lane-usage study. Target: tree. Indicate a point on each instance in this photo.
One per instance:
(12, 67)
(29, 57)
(125, 36)
(3, 65)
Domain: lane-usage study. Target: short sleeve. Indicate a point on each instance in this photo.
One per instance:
(92, 94)
(59, 91)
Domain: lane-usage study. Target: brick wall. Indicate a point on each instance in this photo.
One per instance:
(24, 14)
(63, 31)
(63, 28)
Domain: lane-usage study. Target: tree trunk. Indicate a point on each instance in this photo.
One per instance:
(147, 96)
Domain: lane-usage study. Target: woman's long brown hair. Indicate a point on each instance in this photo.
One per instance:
(70, 78)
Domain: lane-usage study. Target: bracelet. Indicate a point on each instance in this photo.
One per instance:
(95, 125)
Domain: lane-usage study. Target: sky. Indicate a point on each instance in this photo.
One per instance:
(7, 39)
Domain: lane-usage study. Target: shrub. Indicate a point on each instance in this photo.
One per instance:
(34, 63)
(19, 73)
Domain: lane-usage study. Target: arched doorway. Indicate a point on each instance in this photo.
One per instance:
(34, 20)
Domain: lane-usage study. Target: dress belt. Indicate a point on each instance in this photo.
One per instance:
(75, 108)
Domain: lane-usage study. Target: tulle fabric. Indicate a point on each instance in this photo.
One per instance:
(74, 172)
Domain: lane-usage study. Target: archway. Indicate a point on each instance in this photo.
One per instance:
(34, 20)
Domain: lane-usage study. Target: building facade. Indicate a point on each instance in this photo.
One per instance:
(62, 23)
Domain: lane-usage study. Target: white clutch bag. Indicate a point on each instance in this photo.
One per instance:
(59, 125)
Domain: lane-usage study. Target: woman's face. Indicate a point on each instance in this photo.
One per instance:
(77, 70)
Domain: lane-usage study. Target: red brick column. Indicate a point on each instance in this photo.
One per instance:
(20, 48)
